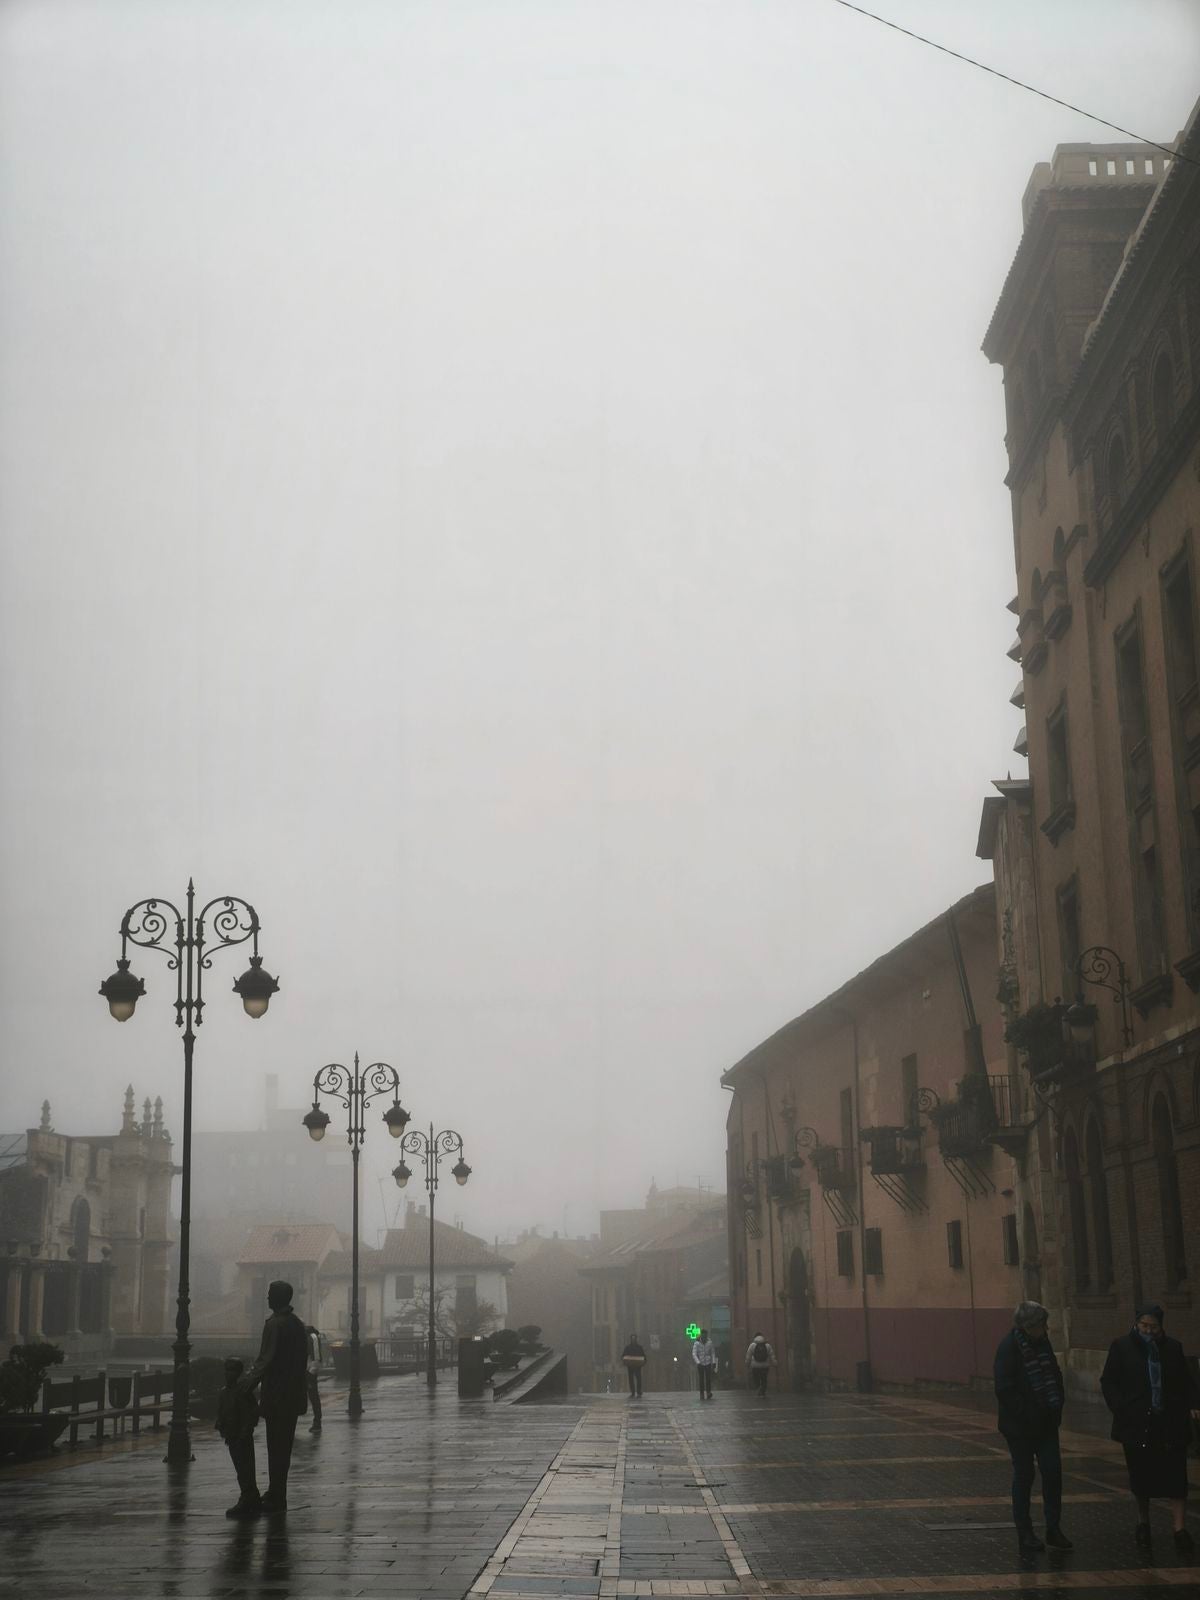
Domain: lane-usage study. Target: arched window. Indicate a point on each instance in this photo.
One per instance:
(1035, 587)
(1077, 1208)
(1060, 551)
(1101, 1226)
(1162, 396)
(1116, 471)
(1016, 410)
(1049, 350)
(1163, 1139)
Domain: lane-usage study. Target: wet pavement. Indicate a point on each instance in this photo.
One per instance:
(839, 1495)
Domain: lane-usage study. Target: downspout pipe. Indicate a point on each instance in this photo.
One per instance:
(856, 1109)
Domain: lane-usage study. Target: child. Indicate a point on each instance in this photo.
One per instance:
(237, 1417)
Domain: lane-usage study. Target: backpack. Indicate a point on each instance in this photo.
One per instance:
(762, 1355)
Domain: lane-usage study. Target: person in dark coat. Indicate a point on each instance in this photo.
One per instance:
(634, 1358)
(281, 1376)
(1030, 1395)
(237, 1418)
(1154, 1399)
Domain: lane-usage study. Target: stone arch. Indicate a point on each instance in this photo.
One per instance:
(81, 1229)
(1162, 1137)
(1116, 470)
(1097, 1183)
(1162, 392)
(1157, 1082)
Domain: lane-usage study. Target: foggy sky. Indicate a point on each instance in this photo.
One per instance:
(513, 490)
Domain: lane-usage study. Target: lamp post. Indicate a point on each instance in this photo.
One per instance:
(1096, 966)
(355, 1088)
(431, 1147)
(226, 920)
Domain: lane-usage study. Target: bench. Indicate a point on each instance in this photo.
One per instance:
(91, 1402)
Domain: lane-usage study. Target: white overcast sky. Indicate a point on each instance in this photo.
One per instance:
(513, 490)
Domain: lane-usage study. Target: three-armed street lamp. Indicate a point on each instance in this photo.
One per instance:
(431, 1147)
(355, 1088)
(148, 923)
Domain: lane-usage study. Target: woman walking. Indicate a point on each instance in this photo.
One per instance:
(1030, 1394)
(1149, 1388)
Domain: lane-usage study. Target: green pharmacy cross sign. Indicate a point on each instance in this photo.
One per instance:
(693, 1330)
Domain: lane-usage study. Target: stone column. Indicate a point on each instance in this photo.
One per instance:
(37, 1295)
(74, 1296)
(14, 1272)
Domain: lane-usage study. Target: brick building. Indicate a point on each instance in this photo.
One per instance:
(86, 1225)
(872, 1215)
(1097, 855)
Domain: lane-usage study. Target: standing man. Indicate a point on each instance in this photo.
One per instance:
(760, 1358)
(282, 1372)
(704, 1354)
(634, 1358)
(314, 1373)
(1030, 1395)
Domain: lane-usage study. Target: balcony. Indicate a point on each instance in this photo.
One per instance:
(964, 1126)
(1040, 1035)
(834, 1166)
(894, 1151)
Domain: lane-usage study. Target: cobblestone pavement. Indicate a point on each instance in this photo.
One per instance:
(839, 1495)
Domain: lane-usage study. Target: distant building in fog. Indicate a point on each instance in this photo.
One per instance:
(546, 1289)
(275, 1173)
(469, 1276)
(85, 1222)
(645, 1276)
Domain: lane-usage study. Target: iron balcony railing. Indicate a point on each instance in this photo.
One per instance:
(835, 1166)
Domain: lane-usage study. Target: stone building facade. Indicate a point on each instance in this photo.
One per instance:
(1097, 855)
(85, 1228)
(874, 1233)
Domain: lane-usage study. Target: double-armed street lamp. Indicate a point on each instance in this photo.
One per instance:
(226, 920)
(355, 1088)
(431, 1147)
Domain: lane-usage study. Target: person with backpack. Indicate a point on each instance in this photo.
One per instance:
(760, 1358)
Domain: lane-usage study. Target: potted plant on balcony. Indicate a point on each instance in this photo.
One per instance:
(23, 1431)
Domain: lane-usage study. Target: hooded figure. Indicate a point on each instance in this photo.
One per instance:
(1154, 1398)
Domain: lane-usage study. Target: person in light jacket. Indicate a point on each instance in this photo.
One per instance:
(1154, 1399)
(1030, 1395)
(704, 1354)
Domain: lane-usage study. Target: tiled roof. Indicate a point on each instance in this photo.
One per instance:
(340, 1263)
(667, 1233)
(282, 1241)
(409, 1247)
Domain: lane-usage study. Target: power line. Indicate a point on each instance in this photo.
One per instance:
(996, 73)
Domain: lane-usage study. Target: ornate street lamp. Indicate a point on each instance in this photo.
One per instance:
(431, 1147)
(227, 920)
(355, 1088)
(1097, 966)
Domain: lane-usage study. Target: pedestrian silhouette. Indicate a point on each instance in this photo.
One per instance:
(281, 1376)
(237, 1418)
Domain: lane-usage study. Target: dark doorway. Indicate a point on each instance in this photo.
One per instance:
(799, 1321)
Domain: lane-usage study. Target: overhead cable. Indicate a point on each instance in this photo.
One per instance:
(996, 73)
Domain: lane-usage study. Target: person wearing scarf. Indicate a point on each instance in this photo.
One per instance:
(1150, 1389)
(1030, 1395)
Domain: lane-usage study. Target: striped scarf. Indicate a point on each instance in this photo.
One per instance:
(1040, 1367)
